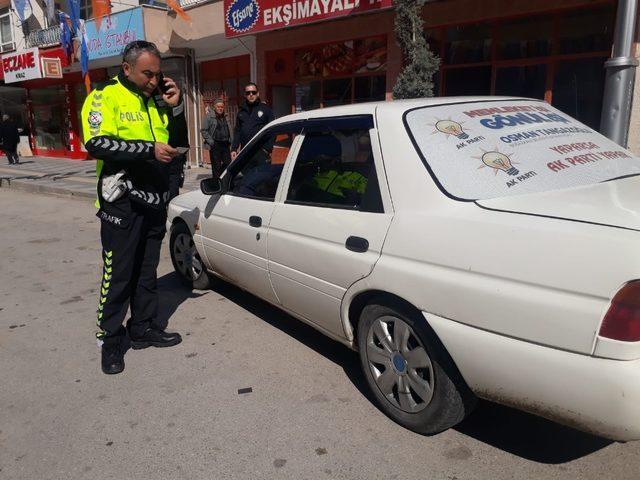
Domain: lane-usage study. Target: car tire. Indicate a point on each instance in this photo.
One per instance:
(422, 390)
(186, 259)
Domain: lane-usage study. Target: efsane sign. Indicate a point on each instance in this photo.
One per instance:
(244, 17)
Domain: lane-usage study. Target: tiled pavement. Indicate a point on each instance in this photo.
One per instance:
(68, 177)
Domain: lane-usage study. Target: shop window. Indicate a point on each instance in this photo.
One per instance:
(578, 89)
(13, 102)
(528, 81)
(308, 95)
(525, 38)
(339, 73)
(48, 118)
(586, 31)
(337, 92)
(369, 89)
(468, 81)
(468, 44)
(6, 35)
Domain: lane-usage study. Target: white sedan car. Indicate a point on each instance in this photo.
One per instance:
(465, 247)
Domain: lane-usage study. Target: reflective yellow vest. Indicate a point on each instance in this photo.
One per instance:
(115, 111)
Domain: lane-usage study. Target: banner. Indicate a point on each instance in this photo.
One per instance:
(246, 17)
(115, 32)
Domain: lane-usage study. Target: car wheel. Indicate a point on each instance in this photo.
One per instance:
(409, 372)
(186, 260)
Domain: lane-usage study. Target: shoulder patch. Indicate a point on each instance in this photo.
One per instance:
(95, 119)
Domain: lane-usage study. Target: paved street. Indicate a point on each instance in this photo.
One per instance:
(176, 413)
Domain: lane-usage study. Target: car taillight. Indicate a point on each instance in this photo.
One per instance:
(622, 321)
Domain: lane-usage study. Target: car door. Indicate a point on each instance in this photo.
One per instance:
(329, 230)
(235, 225)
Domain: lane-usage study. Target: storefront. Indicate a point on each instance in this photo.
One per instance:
(342, 51)
(549, 50)
(43, 102)
(223, 78)
(530, 50)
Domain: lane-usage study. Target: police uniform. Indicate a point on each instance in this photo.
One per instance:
(120, 126)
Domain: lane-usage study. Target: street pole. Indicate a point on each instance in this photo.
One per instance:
(620, 76)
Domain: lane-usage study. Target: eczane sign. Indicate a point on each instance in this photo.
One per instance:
(23, 65)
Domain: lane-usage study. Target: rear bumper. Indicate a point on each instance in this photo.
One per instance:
(596, 395)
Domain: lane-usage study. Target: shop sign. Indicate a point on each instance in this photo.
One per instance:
(20, 66)
(116, 31)
(243, 17)
(51, 67)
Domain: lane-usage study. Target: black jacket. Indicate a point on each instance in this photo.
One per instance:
(250, 119)
(9, 135)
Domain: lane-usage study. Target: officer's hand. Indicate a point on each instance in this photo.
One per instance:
(234, 154)
(164, 153)
(172, 95)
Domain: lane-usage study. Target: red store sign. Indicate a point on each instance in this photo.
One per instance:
(245, 17)
(23, 65)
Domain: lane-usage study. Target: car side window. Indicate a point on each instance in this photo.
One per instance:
(258, 173)
(336, 169)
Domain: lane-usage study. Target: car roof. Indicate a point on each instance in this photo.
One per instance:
(396, 106)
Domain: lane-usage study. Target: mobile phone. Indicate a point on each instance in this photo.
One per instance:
(161, 85)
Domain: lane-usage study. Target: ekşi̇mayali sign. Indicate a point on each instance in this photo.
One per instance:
(243, 17)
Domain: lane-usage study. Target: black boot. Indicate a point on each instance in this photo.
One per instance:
(153, 337)
(112, 359)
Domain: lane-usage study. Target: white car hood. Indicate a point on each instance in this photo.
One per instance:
(615, 203)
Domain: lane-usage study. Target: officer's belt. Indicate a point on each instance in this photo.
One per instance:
(152, 198)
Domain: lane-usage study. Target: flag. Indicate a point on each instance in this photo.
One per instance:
(84, 51)
(22, 7)
(51, 11)
(175, 6)
(84, 56)
(65, 35)
(101, 8)
(74, 13)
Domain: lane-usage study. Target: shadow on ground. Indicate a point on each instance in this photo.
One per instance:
(172, 293)
(518, 433)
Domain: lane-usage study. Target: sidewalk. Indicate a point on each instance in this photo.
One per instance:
(76, 178)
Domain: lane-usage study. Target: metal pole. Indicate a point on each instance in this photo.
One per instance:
(620, 76)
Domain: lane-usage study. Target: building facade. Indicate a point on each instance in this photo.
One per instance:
(307, 54)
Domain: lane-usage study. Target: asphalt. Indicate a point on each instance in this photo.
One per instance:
(69, 178)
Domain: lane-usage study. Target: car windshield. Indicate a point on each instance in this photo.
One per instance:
(482, 150)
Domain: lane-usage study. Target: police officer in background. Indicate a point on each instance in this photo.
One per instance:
(252, 116)
(134, 124)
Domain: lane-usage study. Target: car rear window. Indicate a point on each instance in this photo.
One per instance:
(482, 150)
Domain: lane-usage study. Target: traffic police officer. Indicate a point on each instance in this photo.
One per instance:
(132, 124)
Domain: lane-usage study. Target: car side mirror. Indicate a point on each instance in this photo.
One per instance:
(211, 186)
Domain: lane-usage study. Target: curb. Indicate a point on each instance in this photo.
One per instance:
(44, 189)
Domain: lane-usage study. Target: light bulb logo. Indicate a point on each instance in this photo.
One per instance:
(450, 127)
(499, 161)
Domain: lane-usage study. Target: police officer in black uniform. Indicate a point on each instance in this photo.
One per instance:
(252, 116)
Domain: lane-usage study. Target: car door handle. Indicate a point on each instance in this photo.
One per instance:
(357, 244)
(255, 221)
